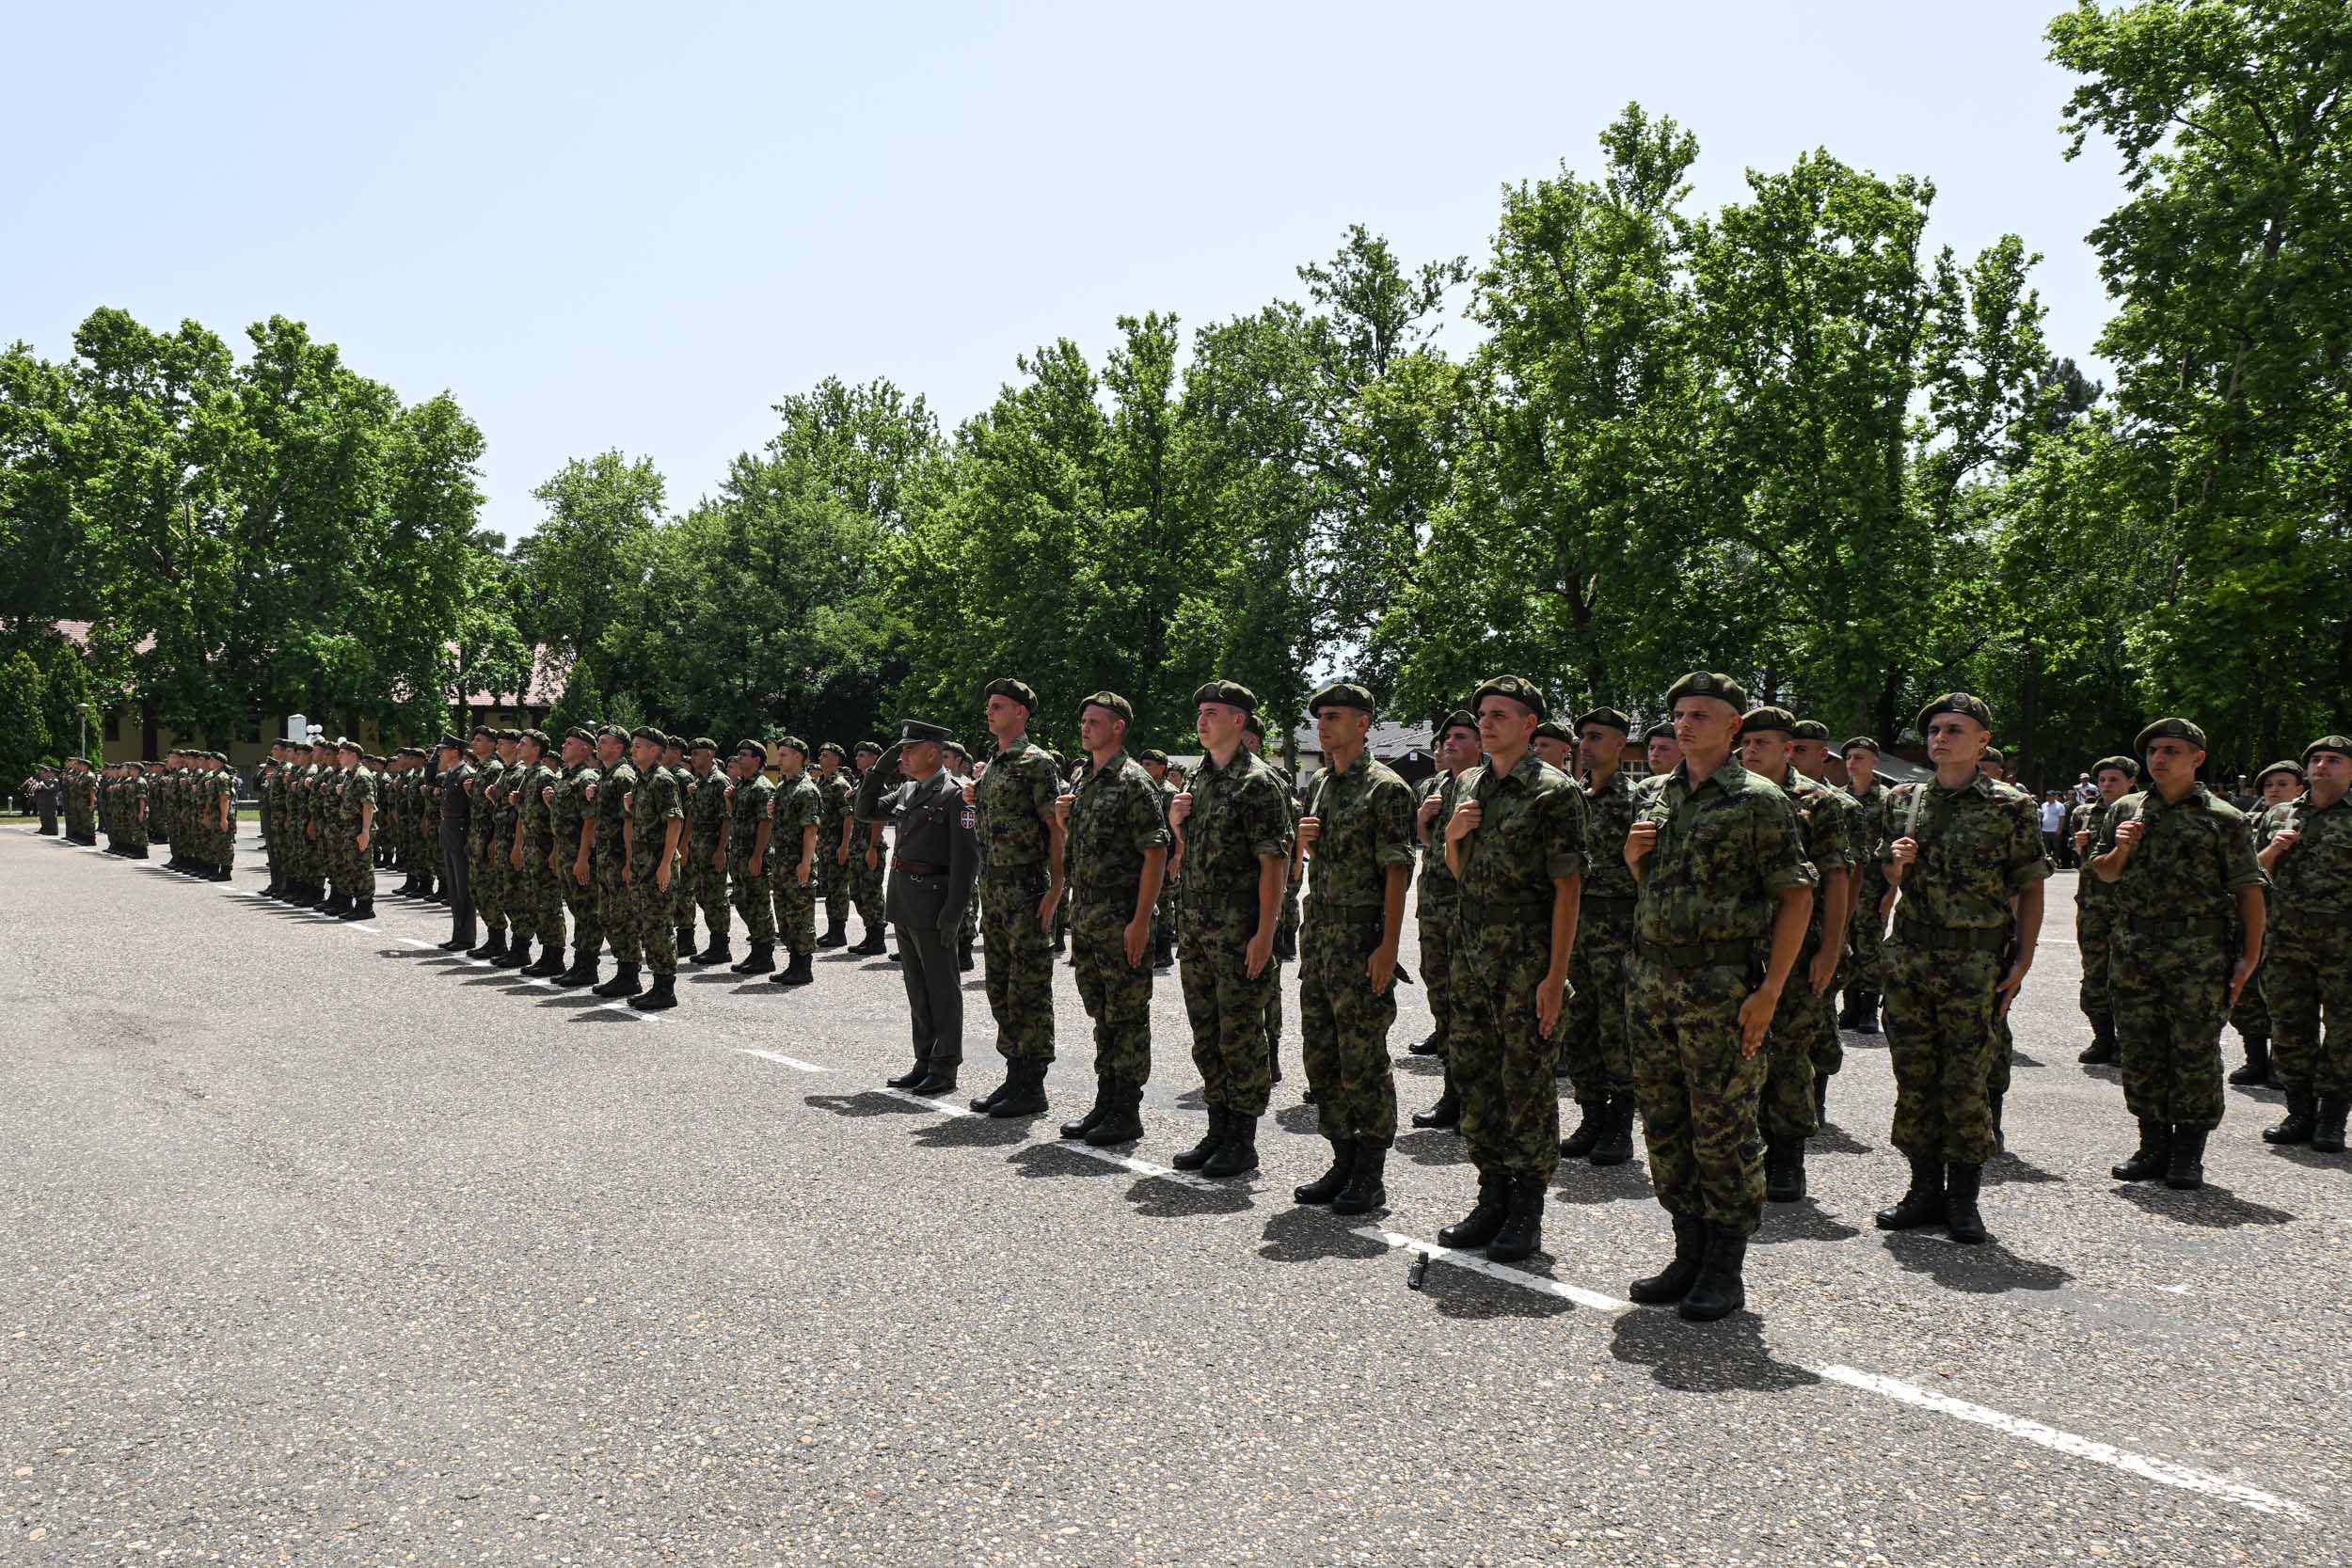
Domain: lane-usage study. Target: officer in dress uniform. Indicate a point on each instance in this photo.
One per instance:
(933, 861)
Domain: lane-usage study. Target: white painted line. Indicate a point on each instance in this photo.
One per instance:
(946, 1106)
(1475, 1264)
(1141, 1167)
(779, 1056)
(2162, 1471)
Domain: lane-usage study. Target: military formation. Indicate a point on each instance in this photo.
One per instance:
(1684, 946)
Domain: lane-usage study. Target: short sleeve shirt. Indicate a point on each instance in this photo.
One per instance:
(1013, 807)
(1531, 834)
(1366, 814)
(2311, 883)
(1727, 847)
(1979, 846)
(1116, 819)
(2194, 854)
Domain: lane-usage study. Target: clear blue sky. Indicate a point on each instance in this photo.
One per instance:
(638, 227)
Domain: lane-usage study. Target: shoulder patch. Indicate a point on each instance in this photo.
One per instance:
(970, 817)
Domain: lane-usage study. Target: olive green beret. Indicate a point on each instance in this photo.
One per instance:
(1517, 688)
(793, 742)
(538, 736)
(954, 746)
(1153, 753)
(1707, 683)
(1110, 702)
(510, 735)
(702, 743)
(1607, 717)
(1343, 694)
(1762, 721)
(832, 746)
(876, 747)
(1252, 724)
(2341, 745)
(1460, 719)
(1959, 703)
(2124, 766)
(1660, 731)
(1232, 693)
(675, 743)
(2169, 729)
(1994, 753)
(344, 743)
(1810, 729)
(749, 747)
(1005, 686)
(1859, 743)
(645, 732)
(2295, 768)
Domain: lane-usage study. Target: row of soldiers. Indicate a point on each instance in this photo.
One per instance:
(187, 801)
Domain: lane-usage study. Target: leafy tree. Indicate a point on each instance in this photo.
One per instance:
(584, 564)
(24, 733)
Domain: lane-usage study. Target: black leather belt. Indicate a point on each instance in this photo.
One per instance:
(916, 868)
(1695, 955)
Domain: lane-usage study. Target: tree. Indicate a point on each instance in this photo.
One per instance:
(23, 734)
(586, 562)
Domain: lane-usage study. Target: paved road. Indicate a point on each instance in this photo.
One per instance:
(326, 1248)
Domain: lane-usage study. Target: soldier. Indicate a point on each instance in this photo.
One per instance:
(1163, 920)
(751, 826)
(540, 884)
(2307, 849)
(1833, 901)
(2179, 856)
(1286, 933)
(488, 771)
(1357, 832)
(958, 762)
(571, 854)
(1554, 747)
(1995, 767)
(1866, 930)
(705, 848)
(517, 787)
(1726, 894)
(1116, 849)
(652, 822)
(1022, 880)
(322, 776)
(1233, 833)
(354, 834)
(616, 780)
(836, 822)
(2094, 909)
(2279, 784)
(866, 866)
(791, 859)
(1596, 1045)
(681, 911)
(1661, 751)
(273, 795)
(1967, 866)
(933, 862)
(40, 792)
(454, 813)
(1437, 902)
(1793, 1095)
(1516, 843)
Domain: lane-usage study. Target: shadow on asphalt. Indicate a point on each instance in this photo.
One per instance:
(1038, 1161)
(2311, 1159)
(1833, 1139)
(1581, 1181)
(1704, 1358)
(1985, 1270)
(1303, 1235)
(980, 1131)
(1802, 1221)
(1158, 1199)
(865, 1102)
(2010, 1169)
(1433, 1146)
(1475, 1298)
(2209, 1208)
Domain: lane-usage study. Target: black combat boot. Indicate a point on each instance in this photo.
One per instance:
(988, 1101)
(1866, 1015)
(662, 998)
(518, 955)
(1163, 949)
(216, 874)
(2327, 1125)
(964, 957)
(1718, 1290)
(1617, 1134)
(334, 903)
(1123, 1118)
(1024, 1092)
(837, 930)
(2153, 1156)
(2184, 1172)
(1198, 1155)
(1447, 1111)
(940, 1079)
(625, 981)
(1783, 1170)
(364, 909)
(1324, 1188)
(1590, 1114)
(2101, 1051)
(1673, 1282)
(797, 973)
(2257, 1068)
(1924, 1203)
(1848, 1009)
(2301, 1119)
(550, 962)
(1238, 1154)
(1365, 1190)
(871, 944)
(718, 952)
(685, 940)
(492, 946)
(586, 960)
(1478, 1228)
(1433, 1046)
(760, 959)
(1061, 941)
(1523, 1230)
(1104, 1090)
(913, 1075)
(1962, 1222)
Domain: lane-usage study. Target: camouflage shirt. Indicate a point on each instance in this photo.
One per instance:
(571, 808)
(1825, 827)
(2311, 885)
(610, 795)
(353, 792)
(2194, 854)
(1531, 833)
(1610, 811)
(1239, 813)
(1978, 845)
(706, 808)
(836, 805)
(753, 798)
(489, 775)
(530, 811)
(653, 804)
(1439, 892)
(795, 807)
(1116, 819)
(1015, 806)
(1726, 848)
(1367, 818)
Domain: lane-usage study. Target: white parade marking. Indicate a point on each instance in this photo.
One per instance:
(779, 1056)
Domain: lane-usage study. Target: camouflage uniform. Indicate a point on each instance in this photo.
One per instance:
(520, 904)
(541, 886)
(1702, 927)
(2094, 924)
(2308, 980)
(1239, 814)
(1824, 820)
(1866, 955)
(493, 825)
(1286, 933)
(706, 825)
(1014, 804)
(1163, 918)
(355, 793)
(653, 804)
(1594, 1036)
(1532, 832)
(572, 809)
(795, 807)
(1115, 821)
(754, 800)
(865, 880)
(2175, 913)
(836, 808)
(1367, 827)
(1979, 846)
(621, 928)
(1436, 908)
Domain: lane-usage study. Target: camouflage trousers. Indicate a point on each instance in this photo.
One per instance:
(795, 904)
(490, 876)
(1593, 1039)
(749, 895)
(543, 894)
(582, 899)
(1019, 962)
(1117, 994)
(865, 885)
(681, 896)
(2171, 994)
(2251, 1017)
(648, 904)
(522, 908)
(1785, 1110)
(1343, 1027)
(358, 870)
(2307, 982)
(707, 887)
(1499, 1059)
(616, 914)
(832, 882)
(1940, 1032)
(1227, 1010)
(1698, 1094)
(2094, 934)
(1866, 935)
(1436, 925)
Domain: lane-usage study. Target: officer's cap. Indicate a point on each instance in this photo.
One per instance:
(1551, 730)
(916, 731)
(1959, 703)
(2293, 769)
(832, 746)
(1005, 686)
(1232, 693)
(2341, 745)
(1460, 719)
(1763, 721)
(791, 742)
(1153, 753)
(1342, 694)
(1608, 717)
(2169, 729)
(1110, 702)
(1517, 688)
(1707, 683)
(447, 742)
(1810, 729)
(1859, 743)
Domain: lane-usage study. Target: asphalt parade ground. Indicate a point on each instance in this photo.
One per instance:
(324, 1246)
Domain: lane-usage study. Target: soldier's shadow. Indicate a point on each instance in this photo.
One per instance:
(1433, 1146)
(2010, 1169)
(954, 1132)
(1581, 1181)
(1989, 1268)
(865, 1102)
(2208, 1208)
(1705, 1358)
(1834, 1139)
(1038, 1161)
(1472, 1296)
(1303, 1235)
(1801, 1221)
(1156, 1197)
